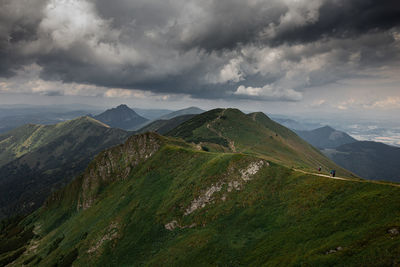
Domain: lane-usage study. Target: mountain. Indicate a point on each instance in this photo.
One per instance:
(160, 201)
(326, 137)
(37, 159)
(152, 114)
(164, 126)
(121, 117)
(371, 160)
(186, 111)
(13, 118)
(253, 133)
(296, 125)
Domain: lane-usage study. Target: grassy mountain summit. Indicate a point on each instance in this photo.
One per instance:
(41, 158)
(164, 126)
(137, 204)
(31, 137)
(185, 111)
(253, 133)
(157, 200)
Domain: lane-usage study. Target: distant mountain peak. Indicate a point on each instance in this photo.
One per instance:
(326, 127)
(122, 106)
(121, 117)
(326, 137)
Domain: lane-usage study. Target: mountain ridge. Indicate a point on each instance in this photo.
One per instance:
(326, 137)
(185, 111)
(160, 200)
(371, 160)
(44, 157)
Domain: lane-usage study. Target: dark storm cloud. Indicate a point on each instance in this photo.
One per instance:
(345, 19)
(270, 50)
(19, 22)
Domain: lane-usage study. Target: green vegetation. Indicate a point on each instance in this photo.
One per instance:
(257, 134)
(160, 201)
(42, 158)
(164, 126)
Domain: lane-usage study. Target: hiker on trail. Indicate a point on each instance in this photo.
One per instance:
(333, 173)
(320, 168)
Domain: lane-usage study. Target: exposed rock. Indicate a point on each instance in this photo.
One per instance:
(174, 224)
(246, 176)
(252, 169)
(111, 234)
(331, 251)
(116, 164)
(207, 197)
(171, 225)
(234, 185)
(394, 231)
(201, 201)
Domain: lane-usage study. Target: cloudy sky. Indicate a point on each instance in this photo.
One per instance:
(281, 56)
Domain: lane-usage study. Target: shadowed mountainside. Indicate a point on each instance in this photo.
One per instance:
(158, 200)
(164, 126)
(326, 137)
(42, 158)
(121, 117)
(370, 160)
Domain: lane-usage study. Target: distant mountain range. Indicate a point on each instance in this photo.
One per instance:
(326, 137)
(221, 189)
(295, 125)
(121, 117)
(152, 114)
(370, 160)
(37, 159)
(12, 118)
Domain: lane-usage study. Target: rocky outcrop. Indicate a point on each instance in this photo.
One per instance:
(237, 180)
(116, 164)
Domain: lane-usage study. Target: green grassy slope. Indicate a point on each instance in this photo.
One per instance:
(255, 134)
(136, 205)
(164, 126)
(31, 137)
(49, 156)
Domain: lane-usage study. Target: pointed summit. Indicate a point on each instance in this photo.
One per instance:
(121, 117)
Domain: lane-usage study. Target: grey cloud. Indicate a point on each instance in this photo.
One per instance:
(205, 49)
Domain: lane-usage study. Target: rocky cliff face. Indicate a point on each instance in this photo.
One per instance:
(112, 165)
(116, 164)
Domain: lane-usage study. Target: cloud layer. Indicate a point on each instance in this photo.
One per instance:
(254, 49)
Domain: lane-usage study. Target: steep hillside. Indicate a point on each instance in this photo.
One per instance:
(121, 117)
(41, 158)
(326, 137)
(152, 114)
(164, 126)
(254, 133)
(137, 204)
(31, 137)
(186, 111)
(370, 160)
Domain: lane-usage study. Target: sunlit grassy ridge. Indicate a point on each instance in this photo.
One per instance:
(251, 212)
(31, 137)
(256, 134)
(40, 158)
